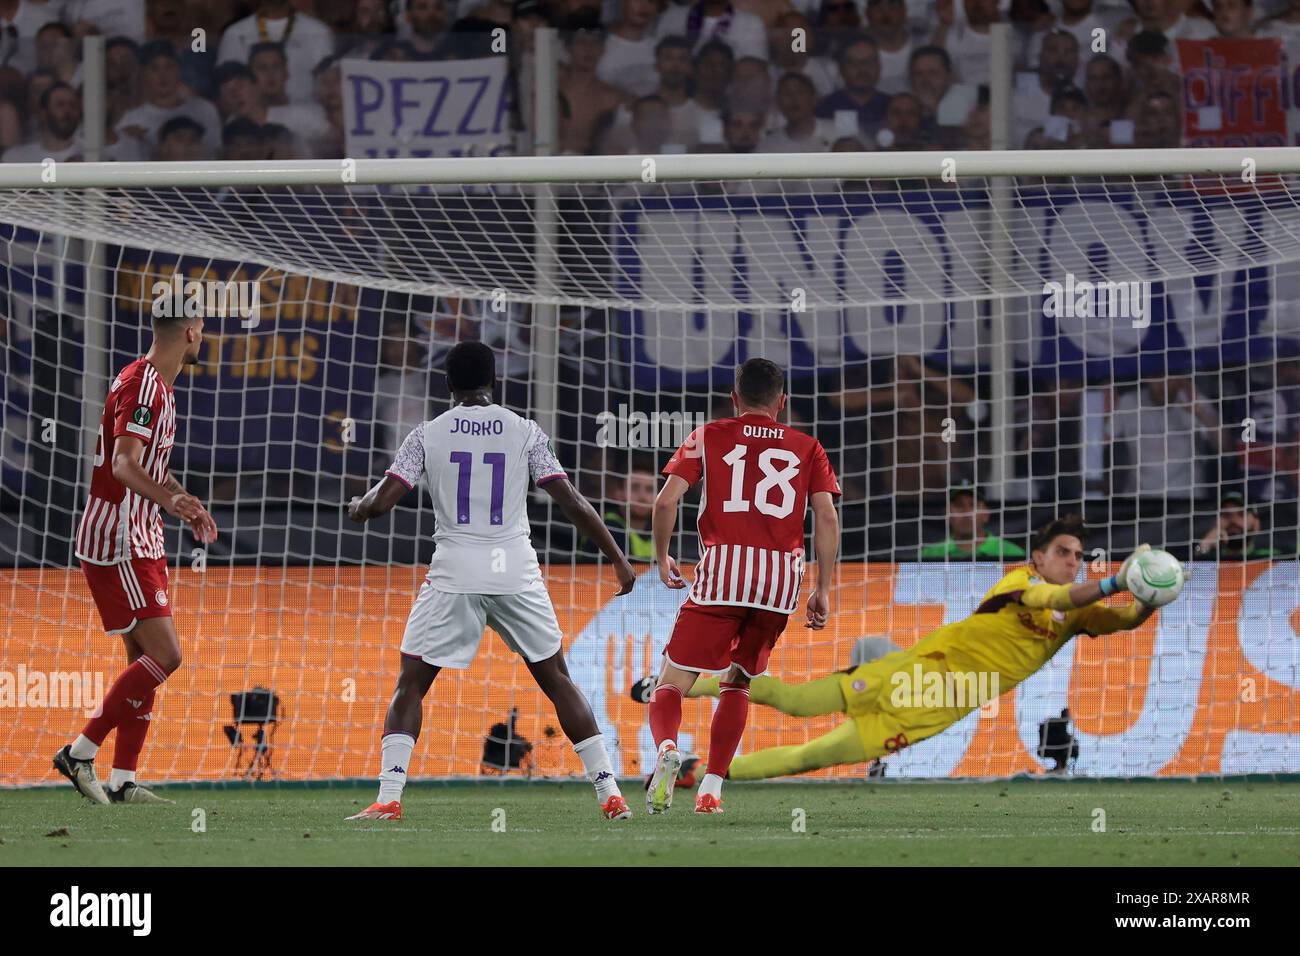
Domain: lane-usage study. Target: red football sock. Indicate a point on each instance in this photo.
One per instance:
(131, 733)
(728, 726)
(133, 685)
(665, 713)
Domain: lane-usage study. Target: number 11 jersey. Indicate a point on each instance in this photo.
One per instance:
(758, 475)
(477, 461)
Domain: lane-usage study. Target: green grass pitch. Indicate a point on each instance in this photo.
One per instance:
(1051, 822)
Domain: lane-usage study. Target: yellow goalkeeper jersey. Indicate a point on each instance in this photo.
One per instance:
(1015, 632)
(1012, 634)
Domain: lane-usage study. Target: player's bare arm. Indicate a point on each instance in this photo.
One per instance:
(379, 500)
(583, 517)
(128, 468)
(826, 545)
(662, 523)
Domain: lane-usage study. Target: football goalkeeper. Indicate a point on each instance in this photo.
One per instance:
(1021, 623)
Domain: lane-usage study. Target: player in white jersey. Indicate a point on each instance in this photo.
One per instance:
(476, 460)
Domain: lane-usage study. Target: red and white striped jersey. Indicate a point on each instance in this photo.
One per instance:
(758, 475)
(119, 524)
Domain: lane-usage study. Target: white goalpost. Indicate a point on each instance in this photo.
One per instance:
(979, 339)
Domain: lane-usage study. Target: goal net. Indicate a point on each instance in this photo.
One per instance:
(980, 341)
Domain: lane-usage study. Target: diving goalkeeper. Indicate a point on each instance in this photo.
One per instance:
(1021, 623)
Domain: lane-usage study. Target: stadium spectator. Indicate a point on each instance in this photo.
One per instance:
(837, 22)
(1153, 70)
(570, 15)
(180, 140)
(628, 62)
(109, 18)
(1284, 25)
(795, 52)
(58, 120)
(1234, 18)
(164, 98)
(244, 140)
(977, 131)
(769, 11)
(423, 28)
(587, 103)
(887, 25)
(1159, 122)
(1235, 536)
(968, 534)
(1155, 431)
(270, 69)
(801, 131)
(944, 102)
(632, 506)
(651, 126)
(239, 94)
(121, 78)
(1165, 17)
(370, 25)
(1080, 18)
(305, 39)
(1058, 62)
(905, 127)
(1107, 95)
(1269, 444)
(55, 52)
(707, 20)
(715, 65)
(859, 64)
(281, 143)
(676, 70)
(752, 88)
(967, 39)
(171, 20)
(328, 81)
(742, 130)
(19, 22)
(401, 389)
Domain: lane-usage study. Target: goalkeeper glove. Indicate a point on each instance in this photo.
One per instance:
(1119, 581)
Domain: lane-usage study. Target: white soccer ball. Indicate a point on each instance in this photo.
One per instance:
(1155, 578)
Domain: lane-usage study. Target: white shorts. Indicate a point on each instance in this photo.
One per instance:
(445, 628)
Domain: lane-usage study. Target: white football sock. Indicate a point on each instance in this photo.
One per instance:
(712, 785)
(596, 762)
(119, 777)
(83, 748)
(397, 749)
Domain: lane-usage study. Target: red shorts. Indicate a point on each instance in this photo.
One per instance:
(127, 593)
(712, 637)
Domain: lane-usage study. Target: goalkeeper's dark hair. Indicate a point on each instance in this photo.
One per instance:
(759, 382)
(1070, 524)
(470, 366)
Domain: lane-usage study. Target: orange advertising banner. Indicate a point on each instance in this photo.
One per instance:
(1211, 685)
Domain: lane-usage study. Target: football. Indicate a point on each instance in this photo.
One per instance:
(1156, 578)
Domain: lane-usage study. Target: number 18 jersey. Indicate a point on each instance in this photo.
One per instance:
(758, 475)
(477, 461)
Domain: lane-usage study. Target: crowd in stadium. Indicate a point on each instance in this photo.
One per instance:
(640, 76)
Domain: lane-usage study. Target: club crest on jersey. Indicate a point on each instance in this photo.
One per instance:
(160, 597)
(142, 415)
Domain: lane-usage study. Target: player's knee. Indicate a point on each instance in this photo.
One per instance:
(169, 660)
